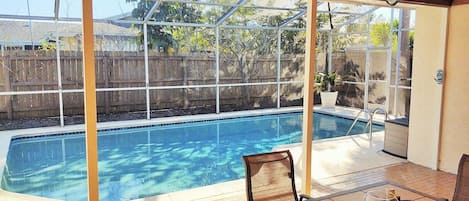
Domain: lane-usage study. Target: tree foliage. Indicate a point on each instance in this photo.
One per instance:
(45, 45)
(242, 47)
(190, 39)
(162, 37)
(379, 34)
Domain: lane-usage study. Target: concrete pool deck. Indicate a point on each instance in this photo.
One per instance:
(348, 149)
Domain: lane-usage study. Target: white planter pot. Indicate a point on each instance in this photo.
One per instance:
(328, 99)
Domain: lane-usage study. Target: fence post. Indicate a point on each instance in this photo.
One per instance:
(7, 73)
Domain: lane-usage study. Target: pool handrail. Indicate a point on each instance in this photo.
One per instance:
(370, 113)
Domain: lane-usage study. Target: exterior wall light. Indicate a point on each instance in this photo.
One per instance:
(439, 76)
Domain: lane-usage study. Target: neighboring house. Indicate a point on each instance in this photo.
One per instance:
(25, 35)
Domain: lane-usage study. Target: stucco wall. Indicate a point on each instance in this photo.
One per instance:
(455, 120)
(429, 53)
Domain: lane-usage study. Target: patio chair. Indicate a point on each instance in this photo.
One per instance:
(270, 177)
(461, 192)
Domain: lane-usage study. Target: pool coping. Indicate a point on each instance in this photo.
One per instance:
(8, 135)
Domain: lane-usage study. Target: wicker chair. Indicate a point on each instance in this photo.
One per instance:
(461, 192)
(270, 177)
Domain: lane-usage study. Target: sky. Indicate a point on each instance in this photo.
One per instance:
(68, 8)
(102, 8)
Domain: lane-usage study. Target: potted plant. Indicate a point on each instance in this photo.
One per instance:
(325, 85)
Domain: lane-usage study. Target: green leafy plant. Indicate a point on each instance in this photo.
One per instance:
(47, 46)
(326, 81)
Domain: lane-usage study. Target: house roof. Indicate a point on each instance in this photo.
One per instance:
(20, 31)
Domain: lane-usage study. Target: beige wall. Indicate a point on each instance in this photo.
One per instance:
(455, 120)
(429, 54)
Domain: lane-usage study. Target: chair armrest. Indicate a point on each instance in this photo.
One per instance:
(305, 197)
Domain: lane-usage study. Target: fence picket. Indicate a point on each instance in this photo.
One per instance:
(36, 70)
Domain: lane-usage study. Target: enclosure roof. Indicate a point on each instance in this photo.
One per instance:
(247, 14)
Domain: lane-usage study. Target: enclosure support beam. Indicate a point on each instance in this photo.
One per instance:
(339, 12)
(329, 56)
(367, 63)
(89, 82)
(229, 12)
(292, 19)
(217, 68)
(279, 53)
(56, 9)
(59, 74)
(151, 11)
(356, 18)
(389, 63)
(14, 93)
(398, 62)
(260, 27)
(181, 24)
(308, 102)
(147, 79)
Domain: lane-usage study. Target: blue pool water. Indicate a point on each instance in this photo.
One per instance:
(147, 161)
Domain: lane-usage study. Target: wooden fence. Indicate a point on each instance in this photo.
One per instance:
(37, 71)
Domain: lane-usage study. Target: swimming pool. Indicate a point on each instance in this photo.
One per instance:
(147, 161)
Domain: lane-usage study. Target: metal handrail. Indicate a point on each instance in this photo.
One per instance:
(354, 122)
(370, 120)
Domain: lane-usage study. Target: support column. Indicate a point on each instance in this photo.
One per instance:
(217, 67)
(147, 79)
(279, 52)
(329, 55)
(367, 63)
(59, 74)
(398, 63)
(308, 102)
(389, 63)
(89, 83)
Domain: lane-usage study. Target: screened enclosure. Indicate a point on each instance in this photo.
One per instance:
(178, 57)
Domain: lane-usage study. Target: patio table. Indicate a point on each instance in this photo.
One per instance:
(358, 194)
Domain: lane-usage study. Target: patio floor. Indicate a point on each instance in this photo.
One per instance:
(435, 183)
